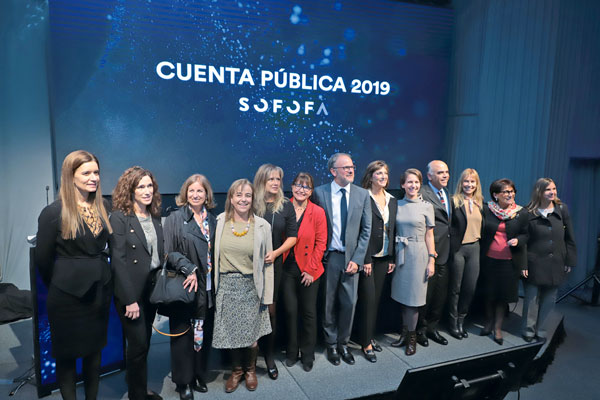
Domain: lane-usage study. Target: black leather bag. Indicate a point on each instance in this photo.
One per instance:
(168, 292)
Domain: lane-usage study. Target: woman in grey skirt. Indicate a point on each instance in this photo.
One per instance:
(243, 283)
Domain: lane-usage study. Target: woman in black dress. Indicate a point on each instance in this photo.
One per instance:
(551, 253)
(271, 205)
(189, 240)
(72, 235)
(136, 248)
(503, 253)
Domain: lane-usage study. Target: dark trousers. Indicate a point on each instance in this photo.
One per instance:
(297, 297)
(340, 300)
(369, 296)
(187, 364)
(464, 272)
(437, 290)
(138, 333)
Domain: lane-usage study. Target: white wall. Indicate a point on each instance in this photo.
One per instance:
(25, 146)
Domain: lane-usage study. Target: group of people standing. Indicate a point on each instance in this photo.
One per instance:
(339, 236)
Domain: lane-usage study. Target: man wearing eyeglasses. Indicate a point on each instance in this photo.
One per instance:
(435, 192)
(348, 210)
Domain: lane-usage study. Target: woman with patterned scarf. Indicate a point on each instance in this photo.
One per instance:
(503, 253)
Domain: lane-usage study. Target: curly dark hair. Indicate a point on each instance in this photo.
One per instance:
(122, 196)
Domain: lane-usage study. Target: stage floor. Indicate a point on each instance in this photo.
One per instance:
(325, 381)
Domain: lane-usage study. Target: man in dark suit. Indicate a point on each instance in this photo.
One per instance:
(348, 211)
(435, 192)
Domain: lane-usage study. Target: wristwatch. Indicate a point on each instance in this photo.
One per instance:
(432, 255)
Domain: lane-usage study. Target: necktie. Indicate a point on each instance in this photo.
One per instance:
(441, 196)
(344, 216)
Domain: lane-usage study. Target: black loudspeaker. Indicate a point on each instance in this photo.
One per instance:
(486, 376)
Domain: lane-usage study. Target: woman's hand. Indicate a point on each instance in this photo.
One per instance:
(132, 311)
(191, 282)
(367, 268)
(270, 257)
(513, 242)
(307, 279)
(525, 273)
(430, 268)
(391, 268)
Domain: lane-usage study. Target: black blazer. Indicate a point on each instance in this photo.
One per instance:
(550, 247)
(441, 231)
(377, 227)
(515, 228)
(73, 265)
(187, 248)
(458, 227)
(130, 257)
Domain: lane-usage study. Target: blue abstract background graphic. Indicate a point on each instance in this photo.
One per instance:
(107, 97)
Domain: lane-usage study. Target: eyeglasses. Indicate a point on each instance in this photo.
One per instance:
(301, 187)
(507, 192)
(347, 169)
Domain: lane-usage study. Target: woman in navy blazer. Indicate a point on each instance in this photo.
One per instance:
(136, 248)
(302, 268)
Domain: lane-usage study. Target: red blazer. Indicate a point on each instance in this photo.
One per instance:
(312, 241)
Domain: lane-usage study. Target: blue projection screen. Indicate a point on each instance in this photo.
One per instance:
(221, 87)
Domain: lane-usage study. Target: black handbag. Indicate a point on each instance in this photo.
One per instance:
(168, 292)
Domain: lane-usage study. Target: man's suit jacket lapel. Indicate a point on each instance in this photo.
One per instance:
(328, 204)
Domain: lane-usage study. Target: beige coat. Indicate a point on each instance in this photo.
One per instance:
(263, 243)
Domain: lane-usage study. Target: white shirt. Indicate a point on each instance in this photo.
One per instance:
(385, 213)
(446, 202)
(336, 217)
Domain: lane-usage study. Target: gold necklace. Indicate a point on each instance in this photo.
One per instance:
(242, 233)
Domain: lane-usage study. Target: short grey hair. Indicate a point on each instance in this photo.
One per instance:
(333, 159)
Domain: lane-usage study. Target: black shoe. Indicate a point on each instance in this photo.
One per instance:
(185, 392)
(422, 339)
(461, 327)
(152, 395)
(345, 354)
(200, 386)
(370, 355)
(273, 372)
(485, 332)
(289, 362)
(333, 356)
(376, 346)
(308, 365)
(455, 333)
(528, 339)
(500, 340)
(436, 337)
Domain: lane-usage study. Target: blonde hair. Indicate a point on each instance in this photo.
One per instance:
(71, 221)
(181, 199)
(260, 183)
(458, 199)
(232, 189)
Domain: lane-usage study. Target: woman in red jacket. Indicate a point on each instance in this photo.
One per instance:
(301, 271)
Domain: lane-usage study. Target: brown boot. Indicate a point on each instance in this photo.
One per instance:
(237, 372)
(411, 343)
(250, 368)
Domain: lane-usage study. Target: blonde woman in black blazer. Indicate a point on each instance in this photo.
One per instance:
(466, 228)
(136, 249)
